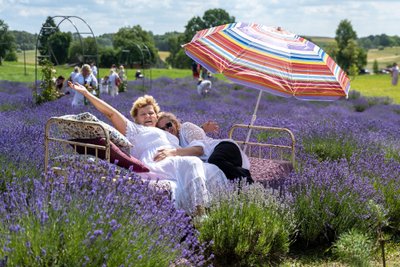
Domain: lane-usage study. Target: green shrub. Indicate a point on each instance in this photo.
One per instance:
(354, 95)
(392, 153)
(11, 56)
(354, 248)
(361, 104)
(391, 194)
(47, 86)
(379, 101)
(330, 148)
(247, 227)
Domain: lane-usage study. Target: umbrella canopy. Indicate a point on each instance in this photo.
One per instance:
(270, 59)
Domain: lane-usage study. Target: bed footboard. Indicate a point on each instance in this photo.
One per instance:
(271, 151)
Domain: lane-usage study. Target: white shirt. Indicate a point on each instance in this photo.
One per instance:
(203, 87)
(94, 70)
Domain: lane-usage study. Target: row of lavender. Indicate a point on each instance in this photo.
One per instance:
(347, 174)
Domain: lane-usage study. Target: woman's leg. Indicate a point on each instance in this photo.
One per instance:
(228, 158)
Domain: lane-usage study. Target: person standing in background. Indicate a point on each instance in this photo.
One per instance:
(74, 73)
(94, 68)
(113, 83)
(395, 73)
(195, 70)
(87, 79)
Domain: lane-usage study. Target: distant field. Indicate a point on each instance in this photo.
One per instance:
(29, 56)
(321, 41)
(384, 57)
(368, 85)
(163, 55)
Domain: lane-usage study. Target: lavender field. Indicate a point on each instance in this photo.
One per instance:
(347, 177)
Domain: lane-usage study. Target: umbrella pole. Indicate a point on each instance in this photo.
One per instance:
(253, 119)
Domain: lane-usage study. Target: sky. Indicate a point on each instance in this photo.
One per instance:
(303, 17)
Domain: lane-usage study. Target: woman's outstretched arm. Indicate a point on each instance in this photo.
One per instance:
(117, 119)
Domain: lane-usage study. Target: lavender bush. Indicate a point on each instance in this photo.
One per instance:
(93, 222)
(344, 158)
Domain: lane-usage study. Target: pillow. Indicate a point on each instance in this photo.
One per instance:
(124, 160)
(90, 131)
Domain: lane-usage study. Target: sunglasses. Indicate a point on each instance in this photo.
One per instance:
(167, 126)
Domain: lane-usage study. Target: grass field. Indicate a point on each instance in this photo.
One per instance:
(163, 55)
(368, 85)
(384, 57)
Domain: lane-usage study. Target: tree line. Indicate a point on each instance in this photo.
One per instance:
(134, 46)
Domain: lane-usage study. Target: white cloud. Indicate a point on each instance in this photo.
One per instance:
(304, 17)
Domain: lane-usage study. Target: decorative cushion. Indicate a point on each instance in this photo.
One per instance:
(123, 160)
(269, 172)
(89, 131)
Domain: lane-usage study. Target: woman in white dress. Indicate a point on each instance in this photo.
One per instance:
(88, 80)
(112, 83)
(395, 73)
(188, 172)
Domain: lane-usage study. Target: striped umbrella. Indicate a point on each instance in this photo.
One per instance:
(270, 59)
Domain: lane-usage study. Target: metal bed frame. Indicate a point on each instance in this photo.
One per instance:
(50, 137)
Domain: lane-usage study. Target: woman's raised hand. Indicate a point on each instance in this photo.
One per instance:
(77, 87)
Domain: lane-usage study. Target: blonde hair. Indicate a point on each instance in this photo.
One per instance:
(142, 102)
(171, 117)
(87, 68)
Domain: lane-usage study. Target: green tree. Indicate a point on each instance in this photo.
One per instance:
(211, 18)
(194, 25)
(350, 56)
(105, 40)
(138, 42)
(375, 67)
(177, 57)
(82, 50)
(25, 40)
(162, 41)
(49, 28)
(217, 16)
(7, 41)
(59, 43)
(108, 56)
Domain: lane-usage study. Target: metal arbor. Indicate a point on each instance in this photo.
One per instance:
(74, 24)
(146, 65)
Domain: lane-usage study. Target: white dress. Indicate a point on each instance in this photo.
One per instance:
(112, 88)
(395, 75)
(194, 179)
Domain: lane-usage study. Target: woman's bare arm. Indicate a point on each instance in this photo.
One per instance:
(185, 151)
(117, 119)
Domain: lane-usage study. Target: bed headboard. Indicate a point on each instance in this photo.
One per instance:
(57, 142)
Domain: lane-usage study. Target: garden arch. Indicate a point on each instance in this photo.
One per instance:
(143, 63)
(75, 23)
